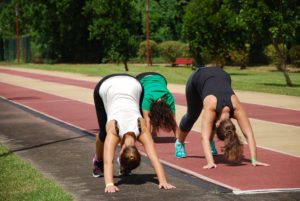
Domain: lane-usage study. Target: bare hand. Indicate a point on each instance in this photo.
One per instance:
(210, 166)
(257, 163)
(166, 186)
(111, 189)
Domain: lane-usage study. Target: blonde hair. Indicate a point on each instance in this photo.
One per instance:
(233, 147)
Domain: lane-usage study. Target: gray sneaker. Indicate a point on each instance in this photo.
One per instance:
(98, 168)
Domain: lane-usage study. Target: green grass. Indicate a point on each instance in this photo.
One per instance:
(20, 182)
(260, 79)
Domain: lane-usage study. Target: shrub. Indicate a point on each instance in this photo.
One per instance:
(270, 52)
(207, 58)
(294, 53)
(173, 49)
(112, 57)
(142, 49)
(36, 53)
(239, 57)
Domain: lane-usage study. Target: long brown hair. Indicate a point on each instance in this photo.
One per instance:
(130, 158)
(233, 147)
(161, 116)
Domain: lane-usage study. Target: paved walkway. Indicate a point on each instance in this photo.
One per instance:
(70, 149)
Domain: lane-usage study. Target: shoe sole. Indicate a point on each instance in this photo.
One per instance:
(125, 175)
(180, 156)
(97, 175)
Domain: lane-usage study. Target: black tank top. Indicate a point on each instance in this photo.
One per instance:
(214, 81)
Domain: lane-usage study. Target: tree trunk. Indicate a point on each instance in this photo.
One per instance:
(282, 66)
(126, 66)
(198, 59)
(243, 67)
(1, 49)
(287, 79)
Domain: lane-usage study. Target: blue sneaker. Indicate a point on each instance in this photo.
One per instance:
(213, 148)
(179, 150)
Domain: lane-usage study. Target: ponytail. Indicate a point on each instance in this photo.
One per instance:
(161, 116)
(233, 147)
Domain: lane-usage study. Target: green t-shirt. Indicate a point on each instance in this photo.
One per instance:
(155, 87)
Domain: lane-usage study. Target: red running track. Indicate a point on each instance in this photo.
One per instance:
(283, 174)
(266, 113)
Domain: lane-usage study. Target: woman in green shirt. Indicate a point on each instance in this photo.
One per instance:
(158, 103)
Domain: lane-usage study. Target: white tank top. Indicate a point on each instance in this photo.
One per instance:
(121, 99)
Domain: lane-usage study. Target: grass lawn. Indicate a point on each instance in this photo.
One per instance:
(20, 182)
(260, 79)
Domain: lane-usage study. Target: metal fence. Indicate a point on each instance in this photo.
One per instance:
(10, 49)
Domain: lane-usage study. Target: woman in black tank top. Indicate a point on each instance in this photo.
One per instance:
(209, 89)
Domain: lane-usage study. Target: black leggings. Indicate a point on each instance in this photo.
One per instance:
(194, 106)
(99, 105)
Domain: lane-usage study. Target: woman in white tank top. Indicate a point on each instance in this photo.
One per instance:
(117, 100)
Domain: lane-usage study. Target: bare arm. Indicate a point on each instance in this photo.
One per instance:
(110, 145)
(147, 119)
(146, 139)
(241, 116)
(206, 132)
(176, 129)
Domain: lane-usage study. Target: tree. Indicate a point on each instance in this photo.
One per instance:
(2, 30)
(8, 12)
(61, 30)
(165, 18)
(238, 40)
(58, 28)
(274, 21)
(116, 24)
(205, 27)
